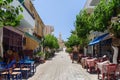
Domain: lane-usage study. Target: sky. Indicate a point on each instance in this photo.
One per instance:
(61, 14)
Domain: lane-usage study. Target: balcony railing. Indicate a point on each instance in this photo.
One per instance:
(28, 20)
(22, 2)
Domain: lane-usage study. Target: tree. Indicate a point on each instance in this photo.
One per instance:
(51, 42)
(9, 15)
(72, 41)
(103, 13)
(83, 27)
(99, 20)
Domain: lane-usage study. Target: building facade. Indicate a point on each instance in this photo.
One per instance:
(27, 35)
(28, 22)
(89, 7)
(90, 4)
(99, 48)
(38, 30)
(39, 25)
(61, 42)
(48, 30)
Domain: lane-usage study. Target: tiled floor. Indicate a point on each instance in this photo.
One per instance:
(61, 68)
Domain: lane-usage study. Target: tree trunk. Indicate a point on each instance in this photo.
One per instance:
(115, 55)
(85, 51)
(1, 41)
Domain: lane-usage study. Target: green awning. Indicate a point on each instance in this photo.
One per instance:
(32, 36)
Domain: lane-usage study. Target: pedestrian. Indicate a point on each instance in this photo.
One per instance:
(74, 55)
(80, 55)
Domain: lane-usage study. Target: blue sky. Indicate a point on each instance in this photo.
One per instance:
(59, 13)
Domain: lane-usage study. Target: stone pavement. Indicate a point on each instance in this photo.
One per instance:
(61, 68)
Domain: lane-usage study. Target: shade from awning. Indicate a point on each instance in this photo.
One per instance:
(98, 39)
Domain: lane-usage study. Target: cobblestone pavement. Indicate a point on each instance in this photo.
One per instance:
(61, 68)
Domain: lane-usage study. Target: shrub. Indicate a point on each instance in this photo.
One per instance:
(41, 54)
(69, 50)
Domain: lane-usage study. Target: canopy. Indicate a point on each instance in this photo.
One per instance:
(98, 39)
(32, 36)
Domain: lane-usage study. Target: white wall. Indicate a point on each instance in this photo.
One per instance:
(87, 4)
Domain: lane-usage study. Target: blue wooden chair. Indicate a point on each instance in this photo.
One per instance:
(23, 68)
(9, 73)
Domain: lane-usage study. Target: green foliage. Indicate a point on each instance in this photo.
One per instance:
(51, 42)
(9, 15)
(82, 22)
(99, 20)
(102, 15)
(72, 41)
(41, 54)
(69, 50)
(83, 25)
(115, 28)
(47, 55)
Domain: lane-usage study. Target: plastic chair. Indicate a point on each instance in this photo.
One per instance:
(5, 72)
(9, 73)
(111, 69)
(15, 74)
(25, 70)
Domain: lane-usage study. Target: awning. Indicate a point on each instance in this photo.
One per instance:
(32, 36)
(98, 39)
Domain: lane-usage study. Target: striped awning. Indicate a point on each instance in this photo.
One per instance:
(98, 39)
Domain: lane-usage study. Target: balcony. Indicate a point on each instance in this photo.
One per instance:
(28, 21)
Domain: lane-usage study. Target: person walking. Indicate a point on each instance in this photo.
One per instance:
(74, 55)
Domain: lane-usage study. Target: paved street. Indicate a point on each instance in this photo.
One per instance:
(61, 68)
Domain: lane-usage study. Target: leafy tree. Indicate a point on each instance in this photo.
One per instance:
(9, 15)
(51, 42)
(99, 20)
(102, 15)
(115, 27)
(81, 24)
(72, 41)
(83, 27)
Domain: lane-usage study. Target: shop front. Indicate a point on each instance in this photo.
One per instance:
(12, 39)
(101, 45)
(31, 44)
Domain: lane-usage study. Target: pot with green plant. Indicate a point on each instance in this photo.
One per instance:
(41, 57)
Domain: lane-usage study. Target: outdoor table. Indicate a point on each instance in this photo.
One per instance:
(26, 66)
(102, 67)
(28, 63)
(90, 64)
(83, 62)
(118, 70)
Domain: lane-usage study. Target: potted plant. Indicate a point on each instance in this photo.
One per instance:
(40, 57)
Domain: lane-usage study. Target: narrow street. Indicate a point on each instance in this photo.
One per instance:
(61, 68)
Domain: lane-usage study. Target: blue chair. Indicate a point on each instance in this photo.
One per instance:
(23, 68)
(5, 71)
(9, 73)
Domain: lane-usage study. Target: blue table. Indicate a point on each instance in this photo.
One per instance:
(28, 63)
